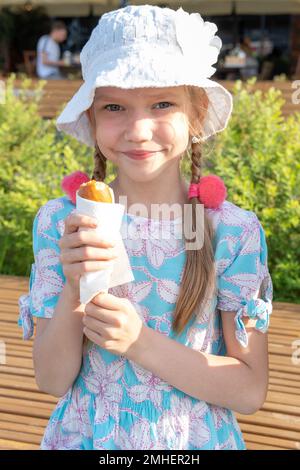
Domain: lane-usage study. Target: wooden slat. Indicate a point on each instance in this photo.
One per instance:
(275, 366)
(10, 382)
(271, 441)
(6, 444)
(19, 362)
(26, 404)
(28, 420)
(25, 411)
(284, 389)
(283, 375)
(281, 408)
(275, 421)
(279, 381)
(10, 426)
(16, 370)
(27, 395)
(257, 446)
(10, 344)
(25, 437)
(269, 432)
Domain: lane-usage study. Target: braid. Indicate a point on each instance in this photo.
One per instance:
(196, 164)
(198, 274)
(100, 160)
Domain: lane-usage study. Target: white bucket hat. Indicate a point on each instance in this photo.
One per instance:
(148, 46)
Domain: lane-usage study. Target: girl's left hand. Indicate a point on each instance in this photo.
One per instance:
(112, 323)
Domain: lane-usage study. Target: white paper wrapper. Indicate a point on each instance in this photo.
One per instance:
(110, 219)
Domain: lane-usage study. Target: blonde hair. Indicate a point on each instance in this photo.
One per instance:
(197, 283)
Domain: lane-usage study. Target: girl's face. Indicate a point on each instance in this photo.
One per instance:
(127, 122)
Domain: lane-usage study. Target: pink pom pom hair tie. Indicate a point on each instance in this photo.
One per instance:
(71, 183)
(211, 191)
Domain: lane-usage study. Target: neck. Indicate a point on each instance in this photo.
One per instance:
(52, 35)
(168, 189)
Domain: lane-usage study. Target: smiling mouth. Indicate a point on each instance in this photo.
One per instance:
(139, 155)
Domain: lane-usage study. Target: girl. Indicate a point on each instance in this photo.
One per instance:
(169, 357)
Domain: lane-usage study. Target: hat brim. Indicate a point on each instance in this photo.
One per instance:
(128, 74)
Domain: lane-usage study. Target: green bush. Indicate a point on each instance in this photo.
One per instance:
(34, 158)
(258, 156)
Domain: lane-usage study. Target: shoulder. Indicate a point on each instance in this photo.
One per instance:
(232, 218)
(52, 43)
(41, 40)
(236, 231)
(51, 215)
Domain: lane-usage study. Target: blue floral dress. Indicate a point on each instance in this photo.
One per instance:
(116, 404)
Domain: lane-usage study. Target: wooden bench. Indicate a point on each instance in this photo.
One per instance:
(24, 410)
(58, 92)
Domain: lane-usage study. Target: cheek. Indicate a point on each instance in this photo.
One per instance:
(107, 139)
(175, 132)
(106, 134)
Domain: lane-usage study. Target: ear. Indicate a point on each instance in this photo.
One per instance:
(89, 115)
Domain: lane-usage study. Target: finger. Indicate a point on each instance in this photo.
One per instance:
(84, 237)
(76, 220)
(94, 337)
(108, 317)
(108, 301)
(86, 267)
(86, 253)
(96, 325)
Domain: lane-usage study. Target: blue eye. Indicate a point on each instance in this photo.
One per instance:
(165, 102)
(115, 105)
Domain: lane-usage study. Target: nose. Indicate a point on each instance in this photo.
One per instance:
(139, 128)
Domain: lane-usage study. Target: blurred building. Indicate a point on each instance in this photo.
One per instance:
(269, 26)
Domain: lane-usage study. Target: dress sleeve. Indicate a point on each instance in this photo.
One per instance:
(46, 277)
(244, 283)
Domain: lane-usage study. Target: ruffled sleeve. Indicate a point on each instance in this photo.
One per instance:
(46, 277)
(244, 283)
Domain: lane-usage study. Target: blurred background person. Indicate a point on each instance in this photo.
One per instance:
(48, 52)
(251, 62)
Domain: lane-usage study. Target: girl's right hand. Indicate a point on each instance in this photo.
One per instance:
(83, 250)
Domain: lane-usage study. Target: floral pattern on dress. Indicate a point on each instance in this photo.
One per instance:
(102, 382)
(150, 387)
(115, 403)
